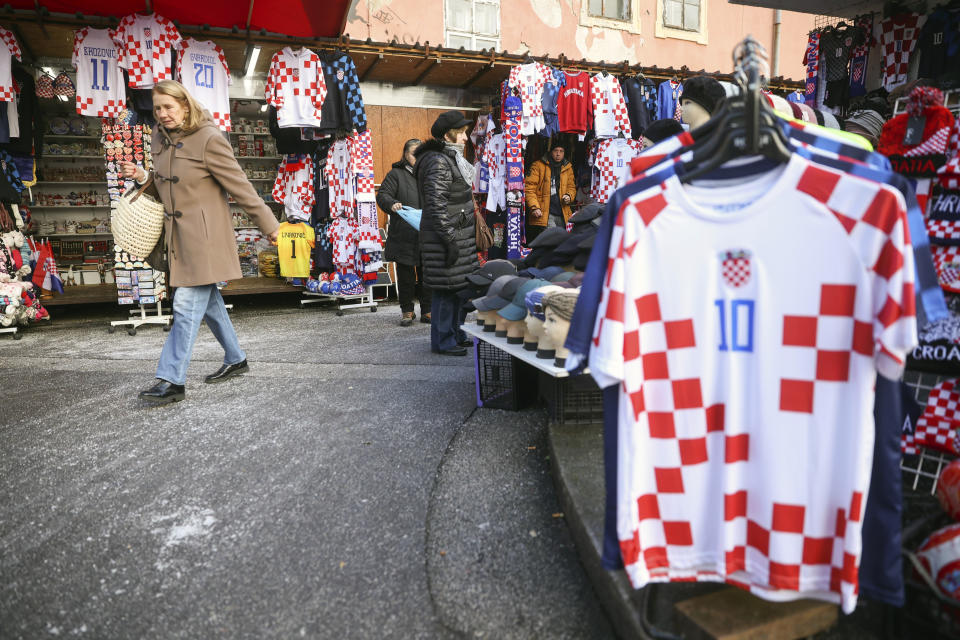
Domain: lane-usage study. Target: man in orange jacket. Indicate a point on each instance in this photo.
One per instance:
(550, 188)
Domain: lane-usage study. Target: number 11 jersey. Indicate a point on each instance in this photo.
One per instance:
(100, 88)
(202, 69)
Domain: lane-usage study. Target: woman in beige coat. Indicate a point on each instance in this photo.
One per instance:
(194, 170)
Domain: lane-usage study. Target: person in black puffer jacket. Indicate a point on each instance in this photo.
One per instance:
(398, 189)
(447, 235)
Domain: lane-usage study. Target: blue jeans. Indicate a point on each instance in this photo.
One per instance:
(191, 306)
(446, 316)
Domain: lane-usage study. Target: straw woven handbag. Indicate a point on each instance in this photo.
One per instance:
(137, 221)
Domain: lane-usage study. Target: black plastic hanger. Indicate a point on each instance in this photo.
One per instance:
(745, 125)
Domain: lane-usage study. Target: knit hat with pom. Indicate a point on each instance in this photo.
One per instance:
(926, 157)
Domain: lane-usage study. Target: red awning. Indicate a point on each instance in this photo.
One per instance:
(299, 18)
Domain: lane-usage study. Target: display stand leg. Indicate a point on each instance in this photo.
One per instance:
(12, 330)
(365, 301)
(140, 317)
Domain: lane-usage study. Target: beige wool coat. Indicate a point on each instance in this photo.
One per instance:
(193, 174)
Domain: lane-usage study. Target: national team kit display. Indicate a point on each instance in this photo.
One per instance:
(766, 346)
(324, 177)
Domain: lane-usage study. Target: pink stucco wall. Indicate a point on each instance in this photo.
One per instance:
(554, 26)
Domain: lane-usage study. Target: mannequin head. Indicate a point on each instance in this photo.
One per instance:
(701, 98)
(501, 330)
(515, 329)
(534, 320)
(558, 311)
(533, 328)
(692, 113)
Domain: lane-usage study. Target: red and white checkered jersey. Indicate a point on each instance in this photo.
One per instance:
(342, 233)
(294, 187)
(100, 89)
(746, 394)
(360, 147)
(10, 50)
(340, 172)
(296, 87)
(202, 68)
(609, 108)
(575, 104)
(611, 166)
(145, 46)
(898, 37)
(528, 81)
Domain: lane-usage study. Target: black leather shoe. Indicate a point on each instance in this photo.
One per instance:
(227, 371)
(456, 351)
(466, 343)
(163, 393)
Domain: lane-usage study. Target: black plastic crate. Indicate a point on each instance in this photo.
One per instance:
(504, 382)
(575, 400)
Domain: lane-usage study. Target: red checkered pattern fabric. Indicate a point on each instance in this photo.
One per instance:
(342, 233)
(145, 43)
(923, 188)
(360, 146)
(611, 165)
(736, 269)
(296, 87)
(908, 440)
(202, 68)
(100, 87)
(368, 228)
(935, 144)
(949, 174)
(340, 172)
(721, 385)
(937, 427)
(12, 50)
(294, 187)
(898, 37)
(610, 116)
(943, 229)
(946, 260)
(528, 81)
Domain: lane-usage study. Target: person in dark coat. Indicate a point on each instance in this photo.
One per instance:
(447, 234)
(399, 189)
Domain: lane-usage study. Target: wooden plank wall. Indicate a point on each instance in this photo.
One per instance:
(390, 127)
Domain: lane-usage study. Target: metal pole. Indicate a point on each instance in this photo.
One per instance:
(777, 19)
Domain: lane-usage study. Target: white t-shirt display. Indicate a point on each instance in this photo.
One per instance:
(203, 70)
(96, 57)
(746, 395)
(296, 87)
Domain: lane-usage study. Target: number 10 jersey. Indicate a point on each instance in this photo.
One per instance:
(202, 69)
(100, 88)
(745, 327)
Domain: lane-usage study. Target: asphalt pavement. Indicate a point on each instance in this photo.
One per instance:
(347, 487)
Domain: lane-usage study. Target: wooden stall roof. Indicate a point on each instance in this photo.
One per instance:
(51, 36)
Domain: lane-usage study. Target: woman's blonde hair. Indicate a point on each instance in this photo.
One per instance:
(452, 133)
(179, 93)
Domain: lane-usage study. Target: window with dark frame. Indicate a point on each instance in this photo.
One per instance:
(682, 14)
(610, 9)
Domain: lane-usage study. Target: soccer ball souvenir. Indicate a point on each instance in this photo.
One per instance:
(948, 489)
(940, 557)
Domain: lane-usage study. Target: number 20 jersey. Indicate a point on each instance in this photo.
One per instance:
(745, 327)
(202, 69)
(100, 87)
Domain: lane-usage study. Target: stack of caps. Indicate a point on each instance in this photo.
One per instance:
(556, 247)
(480, 280)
